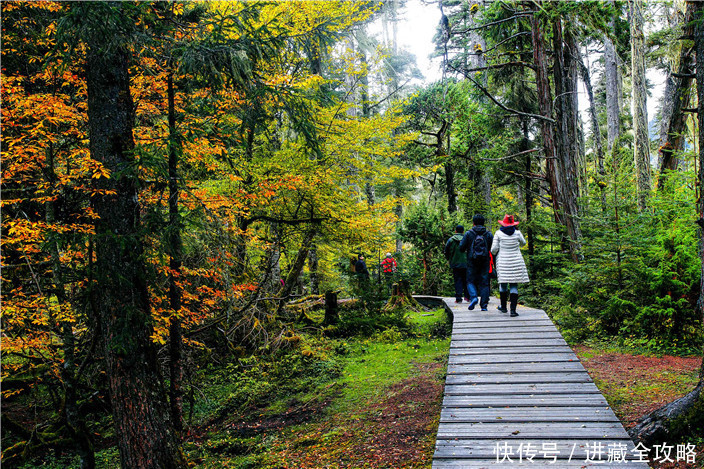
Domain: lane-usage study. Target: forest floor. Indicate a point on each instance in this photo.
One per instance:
(635, 385)
(381, 411)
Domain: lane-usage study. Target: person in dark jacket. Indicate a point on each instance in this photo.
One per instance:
(458, 263)
(360, 268)
(477, 244)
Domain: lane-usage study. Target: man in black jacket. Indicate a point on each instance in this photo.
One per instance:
(477, 244)
(360, 268)
(458, 263)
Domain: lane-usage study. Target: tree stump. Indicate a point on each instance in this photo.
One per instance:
(331, 311)
(401, 298)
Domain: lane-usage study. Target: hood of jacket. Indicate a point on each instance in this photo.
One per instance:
(458, 237)
(509, 230)
(479, 229)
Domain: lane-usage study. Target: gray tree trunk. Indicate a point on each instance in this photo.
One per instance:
(672, 141)
(313, 269)
(567, 145)
(641, 147)
(613, 91)
(596, 132)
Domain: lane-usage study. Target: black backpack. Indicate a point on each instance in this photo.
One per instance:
(479, 248)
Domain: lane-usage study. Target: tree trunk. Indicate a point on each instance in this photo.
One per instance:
(545, 105)
(296, 268)
(143, 426)
(313, 268)
(401, 298)
(641, 147)
(613, 90)
(596, 132)
(175, 250)
(398, 211)
(680, 417)
(565, 74)
(331, 309)
(450, 185)
(698, 14)
(672, 140)
(525, 146)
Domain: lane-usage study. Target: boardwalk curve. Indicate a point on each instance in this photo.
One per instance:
(517, 396)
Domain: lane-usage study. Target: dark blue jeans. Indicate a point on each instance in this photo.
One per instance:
(478, 281)
(460, 276)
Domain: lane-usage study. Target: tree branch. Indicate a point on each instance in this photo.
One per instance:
(507, 109)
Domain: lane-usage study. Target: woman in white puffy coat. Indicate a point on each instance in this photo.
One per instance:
(510, 267)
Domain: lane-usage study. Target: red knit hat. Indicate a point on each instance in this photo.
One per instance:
(508, 221)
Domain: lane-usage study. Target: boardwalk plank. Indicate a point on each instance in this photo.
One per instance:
(577, 450)
(493, 358)
(506, 335)
(500, 330)
(468, 389)
(513, 401)
(510, 350)
(520, 430)
(460, 368)
(518, 378)
(506, 340)
(532, 414)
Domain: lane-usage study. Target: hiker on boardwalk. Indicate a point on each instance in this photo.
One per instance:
(458, 263)
(509, 264)
(476, 243)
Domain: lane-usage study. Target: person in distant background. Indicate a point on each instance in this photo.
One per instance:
(388, 267)
(510, 266)
(458, 263)
(360, 268)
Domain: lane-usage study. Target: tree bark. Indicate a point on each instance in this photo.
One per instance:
(450, 186)
(641, 147)
(565, 74)
(296, 268)
(331, 309)
(671, 138)
(313, 268)
(545, 105)
(143, 426)
(596, 132)
(698, 14)
(613, 89)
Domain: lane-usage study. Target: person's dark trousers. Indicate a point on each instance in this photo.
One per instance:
(460, 276)
(478, 281)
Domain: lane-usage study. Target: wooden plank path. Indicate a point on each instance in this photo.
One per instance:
(517, 396)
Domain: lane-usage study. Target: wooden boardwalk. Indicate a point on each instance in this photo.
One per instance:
(514, 389)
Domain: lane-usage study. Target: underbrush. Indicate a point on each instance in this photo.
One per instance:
(257, 408)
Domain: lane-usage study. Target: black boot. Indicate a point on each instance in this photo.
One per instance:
(503, 297)
(514, 303)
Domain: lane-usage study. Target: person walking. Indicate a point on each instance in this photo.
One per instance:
(458, 263)
(510, 266)
(476, 243)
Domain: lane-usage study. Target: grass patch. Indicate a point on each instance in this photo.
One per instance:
(371, 400)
